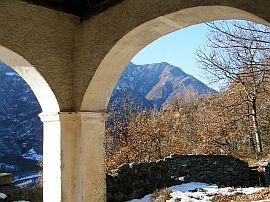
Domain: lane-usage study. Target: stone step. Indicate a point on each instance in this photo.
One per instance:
(5, 178)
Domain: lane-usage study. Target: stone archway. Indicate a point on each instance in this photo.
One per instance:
(107, 74)
(98, 93)
(49, 117)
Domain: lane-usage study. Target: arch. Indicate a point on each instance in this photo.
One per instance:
(39, 86)
(49, 117)
(110, 69)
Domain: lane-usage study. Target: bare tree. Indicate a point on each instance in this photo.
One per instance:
(238, 54)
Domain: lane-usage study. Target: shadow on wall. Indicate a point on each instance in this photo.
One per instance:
(133, 180)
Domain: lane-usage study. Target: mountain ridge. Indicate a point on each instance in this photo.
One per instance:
(159, 83)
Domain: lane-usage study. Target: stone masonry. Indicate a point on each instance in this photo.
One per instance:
(133, 180)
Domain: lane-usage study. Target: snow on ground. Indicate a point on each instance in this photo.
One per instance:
(21, 201)
(146, 198)
(199, 192)
(21, 182)
(27, 178)
(28, 182)
(32, 154)
(3, 196)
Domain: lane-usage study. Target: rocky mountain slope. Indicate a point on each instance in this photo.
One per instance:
(20, 126)
(157, 84)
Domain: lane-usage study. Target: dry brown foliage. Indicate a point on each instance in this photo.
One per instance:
(260, 195)
(197, 125)
(235, 121)
(161, 195)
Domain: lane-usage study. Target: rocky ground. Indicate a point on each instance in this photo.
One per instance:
(21, 194)
(262, 195)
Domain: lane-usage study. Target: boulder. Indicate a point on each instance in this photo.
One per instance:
(5, 178)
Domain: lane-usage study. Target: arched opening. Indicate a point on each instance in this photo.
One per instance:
(126, 48)
(49, 117)
(138, 85)
(99, 91)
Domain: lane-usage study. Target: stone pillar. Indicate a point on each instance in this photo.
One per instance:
(59, 152)
(90, 173)
(73, 157)
(51, 157)
(69, 132)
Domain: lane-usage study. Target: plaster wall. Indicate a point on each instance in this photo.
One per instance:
(39, 86)
(45, 38)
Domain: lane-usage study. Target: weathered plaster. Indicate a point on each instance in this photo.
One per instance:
(90, 158)
(39, 86)
(45, 38)
(70, 124)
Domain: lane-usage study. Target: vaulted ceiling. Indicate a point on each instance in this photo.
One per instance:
(82, 8)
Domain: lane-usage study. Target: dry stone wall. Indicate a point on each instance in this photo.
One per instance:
(267, 175)
(133, 180)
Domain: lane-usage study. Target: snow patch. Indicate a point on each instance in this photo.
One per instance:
(26, 181)
(27, 178)
(11, 74)
(199, 192)
(21, 201)
(3, 196)
(146, 198)
(32, 154)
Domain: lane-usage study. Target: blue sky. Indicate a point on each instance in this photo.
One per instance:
(178, 49)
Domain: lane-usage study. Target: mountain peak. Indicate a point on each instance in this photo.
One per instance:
(165, 63)
(160, 82)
